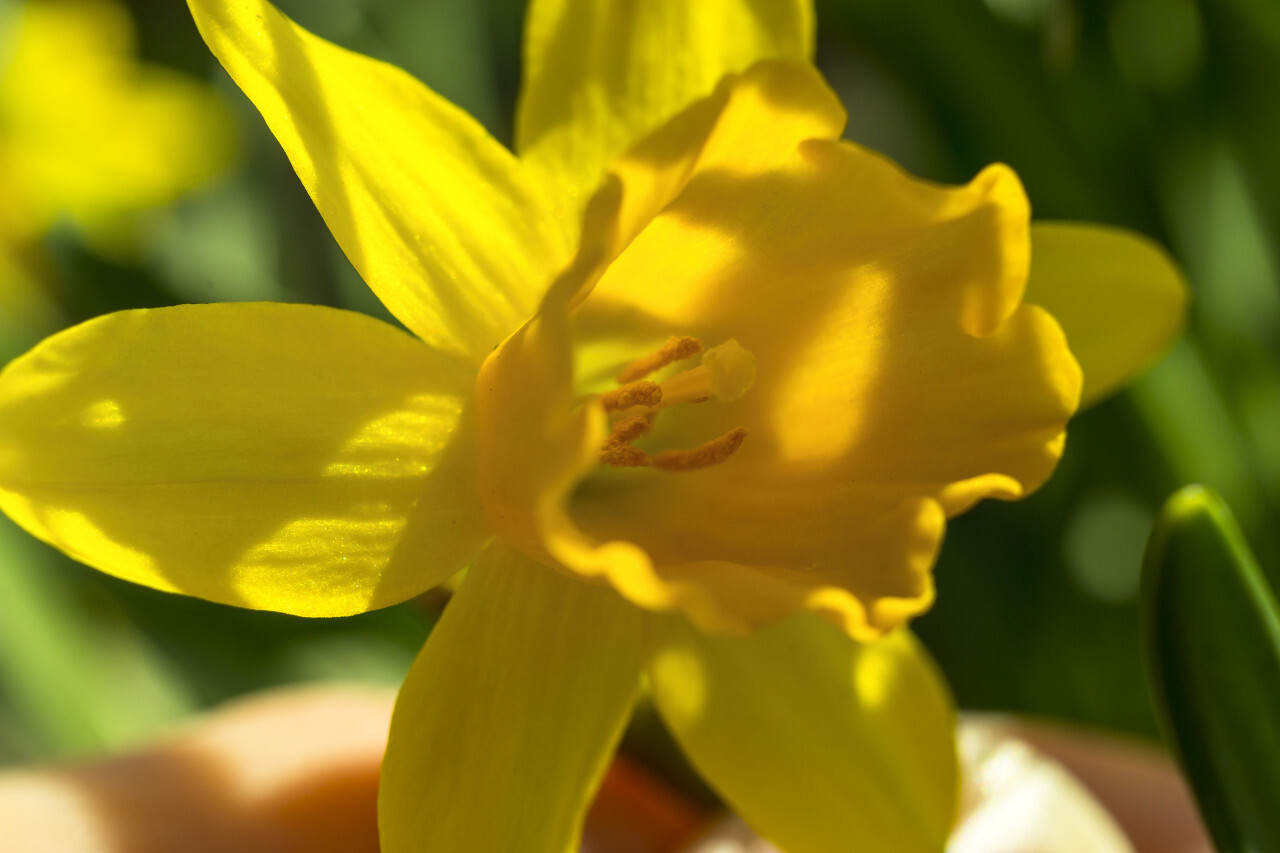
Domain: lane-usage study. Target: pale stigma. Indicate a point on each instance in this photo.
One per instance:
(727, 373)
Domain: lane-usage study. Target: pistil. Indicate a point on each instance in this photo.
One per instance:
(726, 373)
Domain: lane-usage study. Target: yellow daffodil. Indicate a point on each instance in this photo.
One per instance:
(90, 135)
(694, 387)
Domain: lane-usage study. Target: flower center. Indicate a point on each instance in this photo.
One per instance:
(727, 372)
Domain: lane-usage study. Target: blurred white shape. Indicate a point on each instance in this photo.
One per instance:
(1015, 800)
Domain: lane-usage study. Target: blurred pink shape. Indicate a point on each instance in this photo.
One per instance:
(297, 770)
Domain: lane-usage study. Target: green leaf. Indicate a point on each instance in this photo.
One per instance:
(1212, 632)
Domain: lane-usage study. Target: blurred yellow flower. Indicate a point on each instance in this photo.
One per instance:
(90, 135)
(866, 366)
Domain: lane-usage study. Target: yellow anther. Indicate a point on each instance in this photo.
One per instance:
(630, 428)
(642, 393)
(617, 450)
(675, 349)
(624, 456)
(704, 456)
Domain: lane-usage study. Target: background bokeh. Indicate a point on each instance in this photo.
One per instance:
(1154, 114)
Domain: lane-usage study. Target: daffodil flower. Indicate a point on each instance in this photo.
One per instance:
(89, 134)
(692, 389)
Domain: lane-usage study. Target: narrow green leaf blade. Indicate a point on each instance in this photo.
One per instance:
(1212, 636)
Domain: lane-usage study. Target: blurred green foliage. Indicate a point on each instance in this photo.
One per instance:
(1154, 114)
(1212, 643)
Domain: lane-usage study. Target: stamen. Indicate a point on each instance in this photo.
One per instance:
(712, 453)
(617, 450)
(726, 373)
(624, 456)
(630, 428)
(642, 393)
(675, 349)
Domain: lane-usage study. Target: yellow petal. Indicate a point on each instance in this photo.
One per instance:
(509, 716)
(434, 214)
(820, 743)
(90, 132)
(281, 457)
(535, 443)
(598, 77)
(873, 572)
(750, 123)
(900, 376)
(1119, 297)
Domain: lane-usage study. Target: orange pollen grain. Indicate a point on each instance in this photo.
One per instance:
(675, 349)
(628, 429)
(704, 456)
(624, 456)
(642, 393)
